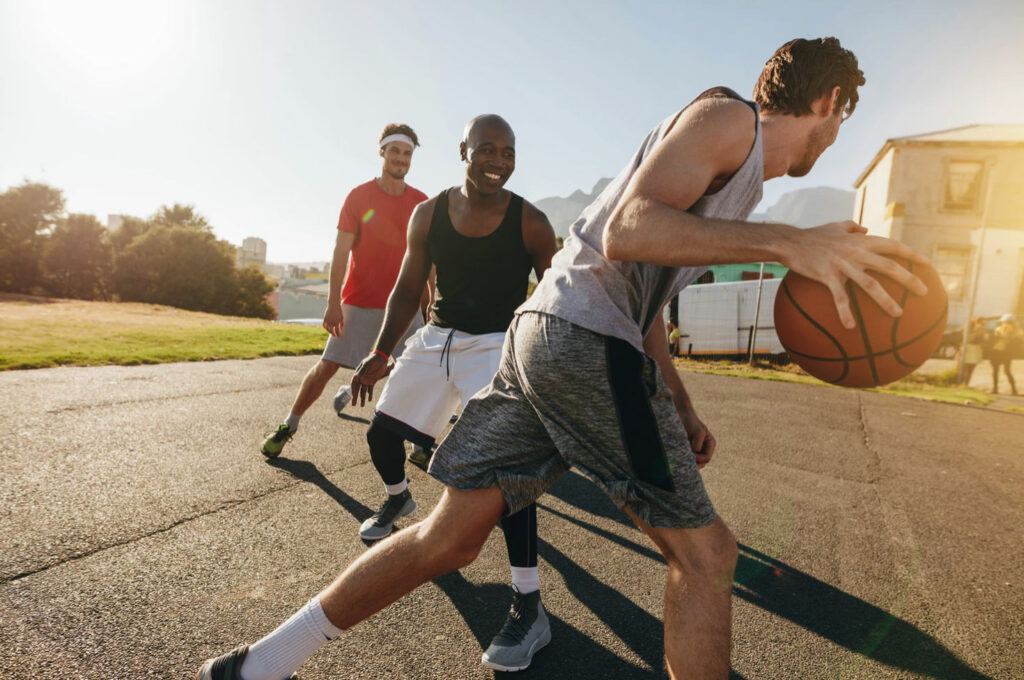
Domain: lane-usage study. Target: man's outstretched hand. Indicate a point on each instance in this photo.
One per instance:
(370, 370)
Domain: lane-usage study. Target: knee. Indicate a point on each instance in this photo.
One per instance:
(452, 548)
(711, 557)
(327, 368)
(377, 436)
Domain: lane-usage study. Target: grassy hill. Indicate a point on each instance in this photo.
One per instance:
(41, 332)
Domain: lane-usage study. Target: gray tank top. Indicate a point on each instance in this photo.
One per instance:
(622, 299)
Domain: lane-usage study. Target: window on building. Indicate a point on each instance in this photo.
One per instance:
(963, 185)
(953, 266)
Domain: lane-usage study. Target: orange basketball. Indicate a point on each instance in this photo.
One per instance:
(880, 349)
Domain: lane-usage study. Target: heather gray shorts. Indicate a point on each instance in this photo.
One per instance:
(565, 397)
(362, 325)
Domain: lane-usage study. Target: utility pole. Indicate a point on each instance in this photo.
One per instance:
(757, 314)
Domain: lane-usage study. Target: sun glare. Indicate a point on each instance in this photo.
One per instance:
(99, 43)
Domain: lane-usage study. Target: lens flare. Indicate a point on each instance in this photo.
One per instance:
(368, 216)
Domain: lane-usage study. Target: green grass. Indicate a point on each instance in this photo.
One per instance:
(940, 387)
(75, 333)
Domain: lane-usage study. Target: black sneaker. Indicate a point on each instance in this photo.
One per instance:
(227, 667)
(382, 523)
(526, 631)
(273, 444)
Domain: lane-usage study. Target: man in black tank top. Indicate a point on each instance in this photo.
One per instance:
(481, 241)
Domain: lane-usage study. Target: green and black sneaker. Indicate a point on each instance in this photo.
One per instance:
(273, 444)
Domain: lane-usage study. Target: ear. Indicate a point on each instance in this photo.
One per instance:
(463, 151)
(381, 151)
(830, 100)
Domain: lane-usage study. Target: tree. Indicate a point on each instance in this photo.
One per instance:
(179, 215)
(178, 266)
(27, 212)
(77, 259)
(126, 233)
(253, 287)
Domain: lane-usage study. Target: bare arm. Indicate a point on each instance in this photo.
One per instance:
(710, 141)
(701, 440)
(403, 303)
(538, 238)
(333, 320)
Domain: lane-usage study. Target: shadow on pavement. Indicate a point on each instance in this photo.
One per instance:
(308, 472)
(354, 419)
(846, 620)
(570, 654)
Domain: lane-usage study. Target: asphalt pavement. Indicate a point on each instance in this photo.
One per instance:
(142, 531)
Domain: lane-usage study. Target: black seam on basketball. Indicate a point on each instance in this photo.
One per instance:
(882, 353)
(862, 327)
(839, 346)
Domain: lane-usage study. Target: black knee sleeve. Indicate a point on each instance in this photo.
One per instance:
(521, 537)
(387, 450)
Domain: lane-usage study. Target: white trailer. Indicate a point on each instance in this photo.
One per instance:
(717, 320)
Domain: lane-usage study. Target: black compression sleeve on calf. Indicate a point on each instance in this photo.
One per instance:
(521, 536)
(387, 450)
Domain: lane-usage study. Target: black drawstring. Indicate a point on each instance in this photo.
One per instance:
(447, 348)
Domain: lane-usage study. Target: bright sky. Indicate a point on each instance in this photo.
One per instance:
(265, 114)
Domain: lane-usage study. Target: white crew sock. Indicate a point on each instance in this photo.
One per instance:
(282, 652)
(292, 421)
(395, 489)
(526, 579)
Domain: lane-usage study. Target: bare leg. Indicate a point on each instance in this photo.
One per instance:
(313, 385)
(698, 598)
(450, 538)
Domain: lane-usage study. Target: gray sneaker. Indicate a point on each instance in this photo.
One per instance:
(382, 523)
(526, 631)
(342, 399)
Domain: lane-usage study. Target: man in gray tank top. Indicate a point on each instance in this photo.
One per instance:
(586, 380)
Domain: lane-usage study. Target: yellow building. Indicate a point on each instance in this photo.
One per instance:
(934, 191)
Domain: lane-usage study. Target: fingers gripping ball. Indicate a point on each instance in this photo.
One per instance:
(880, 349)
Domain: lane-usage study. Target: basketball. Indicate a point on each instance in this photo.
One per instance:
(881, 348)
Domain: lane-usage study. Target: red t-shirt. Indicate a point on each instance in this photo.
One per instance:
(379, 221)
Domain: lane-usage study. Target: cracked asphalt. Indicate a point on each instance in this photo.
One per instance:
(142, 531)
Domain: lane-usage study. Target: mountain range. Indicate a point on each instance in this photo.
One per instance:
(801, 208)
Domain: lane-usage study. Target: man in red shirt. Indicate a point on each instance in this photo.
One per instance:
(367, 256)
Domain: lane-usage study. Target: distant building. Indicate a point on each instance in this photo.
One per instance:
(301, 299)
(931, 191)
(252, 251)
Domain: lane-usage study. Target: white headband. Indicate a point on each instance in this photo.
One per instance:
(397, 138)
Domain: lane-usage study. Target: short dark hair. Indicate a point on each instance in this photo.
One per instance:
(803, 70)
(400, 129)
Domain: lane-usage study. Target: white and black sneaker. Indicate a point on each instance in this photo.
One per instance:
(526, 631)
(342, 399)
(383, 522)
(226, 667)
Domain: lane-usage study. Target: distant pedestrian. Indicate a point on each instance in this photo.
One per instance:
(1007, 340)
(673, 339)
(975, 349)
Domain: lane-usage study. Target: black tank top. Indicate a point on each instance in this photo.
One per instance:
(479, 281)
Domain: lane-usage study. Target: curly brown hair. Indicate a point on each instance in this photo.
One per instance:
(400, 129)
(803, 70)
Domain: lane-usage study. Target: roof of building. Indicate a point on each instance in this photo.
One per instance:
(968, 135)
(318, 289)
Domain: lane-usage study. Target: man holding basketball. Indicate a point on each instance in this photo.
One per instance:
(618, 410)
